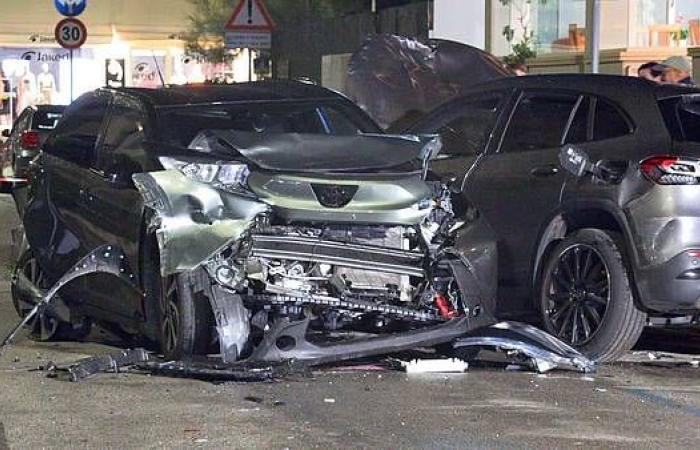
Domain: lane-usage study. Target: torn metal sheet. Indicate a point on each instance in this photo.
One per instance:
(544, 350)
(397, 79)
(232, 323)
(104, 259)
(287, 340)
(113, 362)
(193, 221)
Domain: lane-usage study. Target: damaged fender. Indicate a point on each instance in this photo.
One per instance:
(193, 221)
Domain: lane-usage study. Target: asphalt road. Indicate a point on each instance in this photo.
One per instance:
(624, 405)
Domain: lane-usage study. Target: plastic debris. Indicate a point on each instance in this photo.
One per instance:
(452, 365)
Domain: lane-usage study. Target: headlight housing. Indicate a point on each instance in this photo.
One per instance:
(230, 177)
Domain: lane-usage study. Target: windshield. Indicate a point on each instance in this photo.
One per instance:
(179, 125)
(682, 117)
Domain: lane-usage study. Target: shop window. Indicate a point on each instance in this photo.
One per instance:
(539, 122)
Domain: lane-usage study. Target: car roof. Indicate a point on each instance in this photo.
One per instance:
(239, 92)
(616, 87)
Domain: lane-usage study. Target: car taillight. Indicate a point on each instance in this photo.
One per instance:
(30, 140)
(671, 170)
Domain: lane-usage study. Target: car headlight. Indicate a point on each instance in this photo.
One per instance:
(230, 177)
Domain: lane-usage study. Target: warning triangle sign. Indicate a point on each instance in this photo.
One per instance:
(250, 15)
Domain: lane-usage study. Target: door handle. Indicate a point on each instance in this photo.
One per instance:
(545, 171)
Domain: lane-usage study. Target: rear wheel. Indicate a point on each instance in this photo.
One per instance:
(44, 326)
(585, 296)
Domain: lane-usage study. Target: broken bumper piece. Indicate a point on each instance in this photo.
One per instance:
(543, 351)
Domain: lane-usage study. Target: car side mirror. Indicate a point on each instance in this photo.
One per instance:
(6, 133)
(575, 160)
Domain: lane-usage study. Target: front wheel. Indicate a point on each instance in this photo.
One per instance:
(184, 318)
(585, 296)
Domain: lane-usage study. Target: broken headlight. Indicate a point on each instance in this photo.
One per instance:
(230, 177)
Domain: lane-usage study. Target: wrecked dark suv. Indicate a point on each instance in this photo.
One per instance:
(266, 221)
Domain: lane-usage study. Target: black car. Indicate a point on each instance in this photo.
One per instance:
(28, 135)
(273, 218)
(593, 257)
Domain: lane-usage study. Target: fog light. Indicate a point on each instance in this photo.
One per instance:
(225, 275)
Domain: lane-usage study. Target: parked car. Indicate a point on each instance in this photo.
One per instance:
(271, 216)
(28, 134)
(592, 258)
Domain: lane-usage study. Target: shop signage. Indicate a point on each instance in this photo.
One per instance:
(114, 73)
(70, 8)
(250, 26)
(70, 33)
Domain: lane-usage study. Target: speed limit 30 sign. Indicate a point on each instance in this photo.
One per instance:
(70, 33)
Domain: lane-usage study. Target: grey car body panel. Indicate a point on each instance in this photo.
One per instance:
(193, 220)
(388, 199)
(313, 152)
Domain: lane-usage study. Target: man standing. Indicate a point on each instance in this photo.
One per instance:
(676, 70)
(647, 72)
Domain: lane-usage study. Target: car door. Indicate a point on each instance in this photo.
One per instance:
(517, 187)
(114, 207)
(55, 222)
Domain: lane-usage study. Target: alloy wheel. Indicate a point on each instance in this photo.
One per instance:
(577, 294)
(170, 315)
(43, 327)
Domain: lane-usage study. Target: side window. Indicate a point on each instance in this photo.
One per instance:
(21, 124)
(609, 121)
(75, 137)
(468, 134)
(539, 122)
(122, 150)
(578, 131)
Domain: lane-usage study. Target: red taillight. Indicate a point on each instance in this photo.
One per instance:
(671, 170)
(30, 140)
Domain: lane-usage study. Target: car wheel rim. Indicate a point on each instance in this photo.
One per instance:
(43, 326)
(577, 294)
(170, 323)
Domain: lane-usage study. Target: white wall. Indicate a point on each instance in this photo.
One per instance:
(460, 20)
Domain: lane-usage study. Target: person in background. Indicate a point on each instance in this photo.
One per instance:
(647, 72)
(676, 70)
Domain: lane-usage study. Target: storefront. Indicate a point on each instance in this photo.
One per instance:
(632, 31)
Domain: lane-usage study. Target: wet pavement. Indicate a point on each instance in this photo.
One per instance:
(640, 403)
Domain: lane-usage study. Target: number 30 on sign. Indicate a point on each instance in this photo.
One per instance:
(70, 33)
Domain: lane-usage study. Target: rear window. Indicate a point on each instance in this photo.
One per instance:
(682, 117)
(179, 125)
(46, 120)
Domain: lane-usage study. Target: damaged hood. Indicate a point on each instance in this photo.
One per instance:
(396, 79)
(295, 152)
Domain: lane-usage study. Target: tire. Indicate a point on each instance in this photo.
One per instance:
(44, 327)
(184, 316)
(585, 296)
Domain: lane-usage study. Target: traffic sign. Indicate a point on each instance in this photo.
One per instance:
(70, 33)
(70, 8)
(248, 39)
(250, 15)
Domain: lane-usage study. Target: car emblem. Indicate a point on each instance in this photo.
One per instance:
(334, 195)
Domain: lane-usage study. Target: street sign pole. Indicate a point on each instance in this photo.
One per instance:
(71, 75)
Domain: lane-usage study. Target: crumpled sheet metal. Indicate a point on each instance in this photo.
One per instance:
(544, 350)
(103, 259)
(394, 78)
(193, 221)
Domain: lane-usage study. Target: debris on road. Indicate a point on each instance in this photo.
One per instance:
(452, 365)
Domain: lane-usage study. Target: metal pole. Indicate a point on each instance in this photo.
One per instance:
(595, 36)
(250, 64)
(71, 75)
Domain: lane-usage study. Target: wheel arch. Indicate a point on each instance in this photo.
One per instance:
(600, 215)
